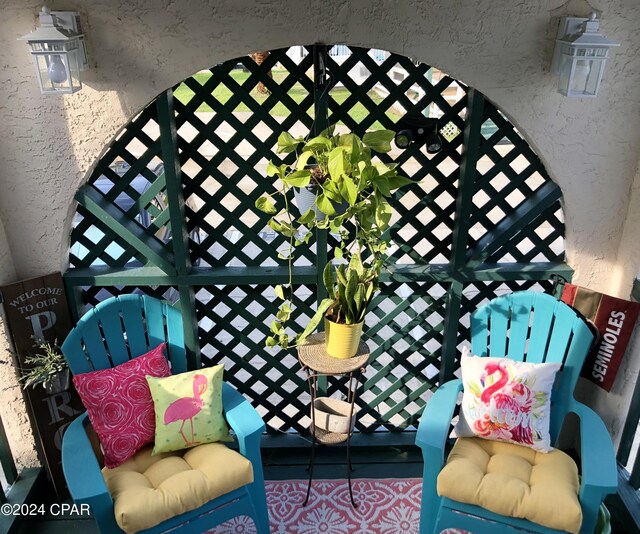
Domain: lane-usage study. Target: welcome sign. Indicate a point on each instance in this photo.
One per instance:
(37, 308)
(614, 318)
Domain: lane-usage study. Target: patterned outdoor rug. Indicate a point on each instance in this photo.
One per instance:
(385, 506)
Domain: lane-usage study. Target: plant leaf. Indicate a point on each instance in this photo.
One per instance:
(284, 228)
(286, 143)
(279, 291)
(342, 277)
(380, 140)
(307, 216)
(349, 296)
(382, 185)
(332, 191)
(385, 169)
(359, 303)
(302, 160)
(335, 223)
(349, 190)
(276, 327)
(325, 205)
(352, 285)
(283, 315)
(265, 205)
(355, 150)
(346, 140)
(383, 214)
(369, 293)
(368, 174)
(355, 265)
(320, 142)
(315, 320)
(272, 169)
(329, 282)
(336, 163)
(396, 182)
(298, 178)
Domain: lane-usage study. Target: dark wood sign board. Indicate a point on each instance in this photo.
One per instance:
(38, 307)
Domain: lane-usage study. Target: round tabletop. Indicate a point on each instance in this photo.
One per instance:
(312, 354)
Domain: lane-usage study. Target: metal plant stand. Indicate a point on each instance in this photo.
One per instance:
(316, 363)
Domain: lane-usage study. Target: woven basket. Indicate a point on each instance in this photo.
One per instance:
(332, 415)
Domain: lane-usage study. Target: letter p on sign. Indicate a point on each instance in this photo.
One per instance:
(41, 321)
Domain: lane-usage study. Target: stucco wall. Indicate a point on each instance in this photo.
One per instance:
(141, 47)
(13, 414)
(615, 404)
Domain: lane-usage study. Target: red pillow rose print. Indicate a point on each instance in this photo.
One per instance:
(119, 404)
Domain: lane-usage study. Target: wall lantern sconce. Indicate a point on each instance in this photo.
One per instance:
(58, 51)
(580, 56)
(418, 129)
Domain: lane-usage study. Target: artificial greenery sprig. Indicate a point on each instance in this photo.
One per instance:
(351, 193)
(45, 363)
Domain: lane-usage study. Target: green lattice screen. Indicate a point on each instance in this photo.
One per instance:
(169, 211)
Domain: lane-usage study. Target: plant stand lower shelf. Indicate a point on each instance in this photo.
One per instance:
(328, 413)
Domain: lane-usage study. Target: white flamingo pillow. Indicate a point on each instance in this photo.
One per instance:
(188, 409)
(506, 400)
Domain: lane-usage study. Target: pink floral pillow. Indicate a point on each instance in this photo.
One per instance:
(506, 400)
(120, 406)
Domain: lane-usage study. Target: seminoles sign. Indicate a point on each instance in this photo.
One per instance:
(614, 318)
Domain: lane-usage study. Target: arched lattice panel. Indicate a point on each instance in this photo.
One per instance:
(169, 211)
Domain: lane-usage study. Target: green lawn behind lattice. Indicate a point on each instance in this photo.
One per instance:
(297, 93)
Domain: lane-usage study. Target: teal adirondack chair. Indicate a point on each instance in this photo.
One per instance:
(104, 337)
(534, 327)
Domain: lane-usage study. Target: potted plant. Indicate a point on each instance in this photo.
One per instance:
(48, 367)
(351, 192)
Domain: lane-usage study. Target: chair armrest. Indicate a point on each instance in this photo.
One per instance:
(436, 421)
(243, 419)
(597, 456)
(80, 465)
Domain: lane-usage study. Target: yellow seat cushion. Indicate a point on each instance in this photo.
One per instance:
(514, 481)
(147, 490)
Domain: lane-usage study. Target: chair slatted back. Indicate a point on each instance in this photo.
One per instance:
(121, 328)
(535, 327)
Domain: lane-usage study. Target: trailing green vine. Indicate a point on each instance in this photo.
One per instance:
(352, 192)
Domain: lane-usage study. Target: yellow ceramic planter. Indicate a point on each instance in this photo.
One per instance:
(342, 340)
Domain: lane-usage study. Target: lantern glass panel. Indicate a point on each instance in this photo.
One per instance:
(58, 73)
(587, 84)
(580, 75)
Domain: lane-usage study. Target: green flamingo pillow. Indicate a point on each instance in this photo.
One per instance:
(506, 400)
(188, 409)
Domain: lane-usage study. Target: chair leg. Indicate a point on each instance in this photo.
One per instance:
(590, 502)
(104, 517)
(258, 497)
(430, 505)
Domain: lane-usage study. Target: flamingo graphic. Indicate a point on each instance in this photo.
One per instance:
(489, 369)
(187, 408)
(514, 399)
